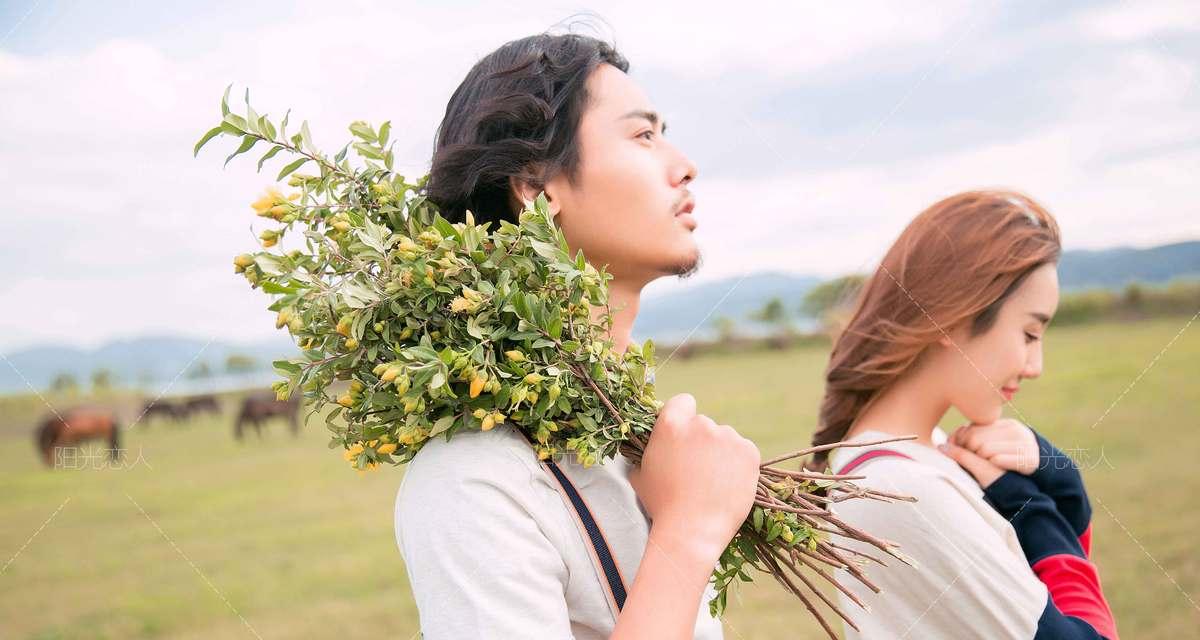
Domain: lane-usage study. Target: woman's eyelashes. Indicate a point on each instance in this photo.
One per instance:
(1029, 337)
(648, 134)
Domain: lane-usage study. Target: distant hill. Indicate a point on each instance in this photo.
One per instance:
(1115, 268)
(155, 359)
(669, 317)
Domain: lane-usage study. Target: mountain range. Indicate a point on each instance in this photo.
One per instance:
(671, 317)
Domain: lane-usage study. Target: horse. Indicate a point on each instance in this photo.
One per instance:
(164, 408)
(206, 403)
(76, 425)
(260, 405)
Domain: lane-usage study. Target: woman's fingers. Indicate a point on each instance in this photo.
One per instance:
(984, 472)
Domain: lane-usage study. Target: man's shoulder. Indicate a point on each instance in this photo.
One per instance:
(499, 458)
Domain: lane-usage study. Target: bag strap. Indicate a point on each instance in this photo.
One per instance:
(602, 556)
(870, 455)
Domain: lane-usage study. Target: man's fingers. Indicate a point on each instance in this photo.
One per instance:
(680, 407)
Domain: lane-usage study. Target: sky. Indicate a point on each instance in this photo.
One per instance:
(819, 130)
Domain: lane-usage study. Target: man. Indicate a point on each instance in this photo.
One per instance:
(494, 545)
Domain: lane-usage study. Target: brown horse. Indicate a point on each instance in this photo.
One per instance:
(260, 405)
(75, 425)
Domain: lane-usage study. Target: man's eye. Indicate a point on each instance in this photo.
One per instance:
(647, 134)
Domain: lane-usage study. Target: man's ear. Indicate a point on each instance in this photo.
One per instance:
(524, 193)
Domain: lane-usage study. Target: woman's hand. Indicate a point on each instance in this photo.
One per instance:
(984, 472)
(1006, 443)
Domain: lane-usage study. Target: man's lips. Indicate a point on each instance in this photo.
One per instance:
(689, 204)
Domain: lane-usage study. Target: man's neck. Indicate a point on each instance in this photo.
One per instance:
(623, 298)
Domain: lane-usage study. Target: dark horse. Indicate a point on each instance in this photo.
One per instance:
(165, 408)
(77, 425)
(206, 403)
(260, 405)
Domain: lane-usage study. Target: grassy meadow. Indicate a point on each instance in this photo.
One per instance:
(205, 537)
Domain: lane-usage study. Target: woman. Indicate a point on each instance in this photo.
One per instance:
(955, 317)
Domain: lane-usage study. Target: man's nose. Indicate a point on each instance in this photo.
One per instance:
(683, 170)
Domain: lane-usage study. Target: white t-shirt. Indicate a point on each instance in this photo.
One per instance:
(972, 578)
(492, 549)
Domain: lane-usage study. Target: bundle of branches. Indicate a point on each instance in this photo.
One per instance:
(443, 327)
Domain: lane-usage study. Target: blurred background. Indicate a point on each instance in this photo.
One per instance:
(819, 132)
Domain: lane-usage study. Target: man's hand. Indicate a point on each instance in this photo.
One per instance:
(697, 478)
(1006, 443)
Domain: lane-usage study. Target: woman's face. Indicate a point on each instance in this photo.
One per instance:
(984, 372)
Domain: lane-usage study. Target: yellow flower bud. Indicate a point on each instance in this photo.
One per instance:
(387, 449)
(477, 386)
(515, 355)
(533, 378)
(345, 400)
(351, 343)
(479, 413)
(488, 423)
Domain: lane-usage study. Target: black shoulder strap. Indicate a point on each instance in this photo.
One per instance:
(591, 528)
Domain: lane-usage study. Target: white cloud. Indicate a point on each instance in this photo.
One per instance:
(112, 228)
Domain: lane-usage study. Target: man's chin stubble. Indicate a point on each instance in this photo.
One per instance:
(688, 267)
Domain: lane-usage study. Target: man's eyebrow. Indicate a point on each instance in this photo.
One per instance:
(651, 116)
(1040, 317)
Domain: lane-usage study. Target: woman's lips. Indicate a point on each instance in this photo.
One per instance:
(1008, 393)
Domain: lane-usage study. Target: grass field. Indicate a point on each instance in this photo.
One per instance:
(276, 538)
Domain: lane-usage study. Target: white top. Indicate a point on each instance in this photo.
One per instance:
(492, 549)
(972, 578)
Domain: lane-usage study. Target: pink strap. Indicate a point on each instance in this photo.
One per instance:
(870, 455)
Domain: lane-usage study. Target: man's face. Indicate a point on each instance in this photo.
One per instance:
(629, 205)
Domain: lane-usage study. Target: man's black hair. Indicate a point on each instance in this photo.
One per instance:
(516, 114)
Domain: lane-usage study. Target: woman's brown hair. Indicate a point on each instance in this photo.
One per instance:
(955, 262)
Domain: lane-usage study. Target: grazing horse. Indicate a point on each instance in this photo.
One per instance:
(77, 425)
(260, 405)
(163, 407)
(206, 403)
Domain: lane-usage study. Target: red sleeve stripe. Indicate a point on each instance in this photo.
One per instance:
(1085, 540)
(1074, 587)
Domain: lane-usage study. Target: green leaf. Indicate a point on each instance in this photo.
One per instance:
(443, 423)
(306, 137)
(247, 143)
(291, 166)
(384, 130)
(212, 133)
(225, 101)
(286, 366)
(268, 155)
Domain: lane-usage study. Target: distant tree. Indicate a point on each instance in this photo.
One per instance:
(831, 295)
(102, 380)
(239, 363)
(64, 383)
(774, 313)
(199, 370)
(726, 328)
